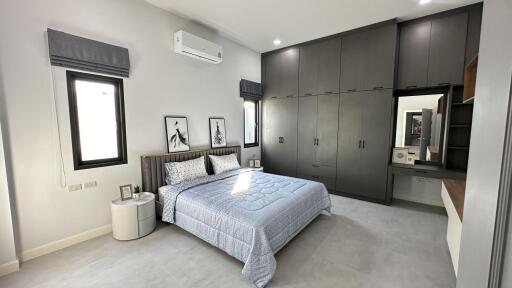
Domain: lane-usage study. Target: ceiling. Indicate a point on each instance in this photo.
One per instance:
(255, 24)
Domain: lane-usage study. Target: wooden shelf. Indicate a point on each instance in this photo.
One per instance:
(470, 80)
(457, 190)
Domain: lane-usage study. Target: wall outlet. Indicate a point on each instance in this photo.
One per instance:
(91, 184)
(75, 187)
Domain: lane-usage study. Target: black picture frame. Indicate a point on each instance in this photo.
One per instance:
(225, 142)
(187, 136)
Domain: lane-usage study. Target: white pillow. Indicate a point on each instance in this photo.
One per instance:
(177, 172)
(225, 163)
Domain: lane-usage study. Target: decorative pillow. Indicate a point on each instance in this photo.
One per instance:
(225, 163)
(177, 172)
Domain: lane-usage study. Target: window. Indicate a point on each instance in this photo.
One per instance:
(251, 116)
(96, 110)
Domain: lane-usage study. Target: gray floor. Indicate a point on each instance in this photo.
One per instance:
(361, 245)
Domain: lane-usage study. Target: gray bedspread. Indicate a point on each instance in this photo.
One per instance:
(246, 213)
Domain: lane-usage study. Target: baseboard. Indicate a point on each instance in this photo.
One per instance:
(63, 243)
(9, 267)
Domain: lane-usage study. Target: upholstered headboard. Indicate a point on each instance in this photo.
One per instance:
(153, 171)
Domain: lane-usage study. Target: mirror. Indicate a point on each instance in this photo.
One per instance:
(419, 126)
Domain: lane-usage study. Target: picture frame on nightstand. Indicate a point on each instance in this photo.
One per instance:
(126, 192)
(251, 163)
(257, 163)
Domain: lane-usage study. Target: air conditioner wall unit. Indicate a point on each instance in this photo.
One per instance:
(199, 48)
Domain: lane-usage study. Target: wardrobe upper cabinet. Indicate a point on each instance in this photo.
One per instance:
(281, 75)
(447, 50)
(353, 62)
(320, 68)
(413, 55)
(432, 51)
(382, 45)
(368, 59)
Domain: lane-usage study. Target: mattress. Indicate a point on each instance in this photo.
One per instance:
(247, 213)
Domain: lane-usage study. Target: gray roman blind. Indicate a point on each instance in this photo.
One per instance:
(251, 90)
(71, 51)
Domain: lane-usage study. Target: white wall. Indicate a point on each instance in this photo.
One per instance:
(8, 260)
(492, 100)
(161, 83)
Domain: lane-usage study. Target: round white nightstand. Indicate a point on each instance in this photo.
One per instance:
(132, 219)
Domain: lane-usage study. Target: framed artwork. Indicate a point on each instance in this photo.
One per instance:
(218, 132)
(400, 155)
(176, 128)
(251, 163)
(126, 192)
(257, 163)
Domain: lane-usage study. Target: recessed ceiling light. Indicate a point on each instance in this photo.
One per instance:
(423, 2)
(277, 42)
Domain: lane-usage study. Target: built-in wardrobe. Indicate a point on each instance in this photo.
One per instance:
(328, 106)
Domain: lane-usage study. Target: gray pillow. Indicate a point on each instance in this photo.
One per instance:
(177, 172)
(225, 163)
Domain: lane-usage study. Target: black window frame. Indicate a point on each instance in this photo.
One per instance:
(80, 164)
(256, 126)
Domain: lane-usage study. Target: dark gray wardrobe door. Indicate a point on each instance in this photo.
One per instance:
(353, 59)
(377, 123)
(413, 55)
(327, 129)
(307, 129)
(380, 67)
(319, 68)
(282, 71)
(447, 50)
(349, 170)
(280, 136)
(329, 66)
(473, 38)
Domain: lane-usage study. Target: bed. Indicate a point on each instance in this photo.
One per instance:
(248, 214)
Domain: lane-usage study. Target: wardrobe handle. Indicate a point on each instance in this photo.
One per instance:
(315, 177)
(290, 96)
(443, 84)
(316, 166)
(363, 143)
(308, 94)
(317, 141)
(273, 97)
(378, 88)
(328, 92)
(314, 141)
(360, 143)
(351, 90)
(412, 86)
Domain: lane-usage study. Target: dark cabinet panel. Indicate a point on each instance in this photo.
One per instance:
(280, 136)
(364, 143)
(473, 39)
(377, 123)
(349, 170)
(413, 55)
(447, 50)
(319, 68)
(281, 75)
(368, 59)
(307, 128)
(327, 129)
(380, 60)
(353, 57)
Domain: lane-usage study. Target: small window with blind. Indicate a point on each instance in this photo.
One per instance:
(96, 110)
(251, 116)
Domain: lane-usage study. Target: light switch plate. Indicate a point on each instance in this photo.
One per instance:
(91, 184)
(75, 187)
